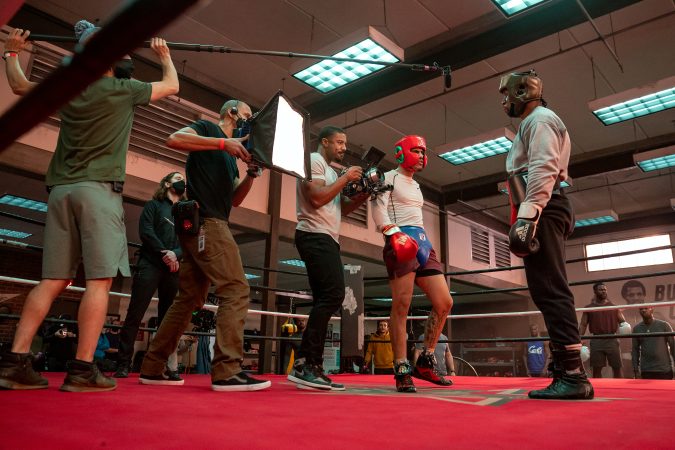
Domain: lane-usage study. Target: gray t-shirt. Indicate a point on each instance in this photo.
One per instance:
(652, 354)
(439, 353)
(327, 218)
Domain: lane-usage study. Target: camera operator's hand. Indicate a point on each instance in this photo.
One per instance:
(354, 173)
(170, 260)
(62, 333)
(235, 148)
(254, 170)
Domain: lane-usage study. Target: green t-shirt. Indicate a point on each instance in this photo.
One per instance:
(95, 129)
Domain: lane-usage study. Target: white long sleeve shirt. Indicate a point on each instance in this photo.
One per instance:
(542, 149)
(402, 206)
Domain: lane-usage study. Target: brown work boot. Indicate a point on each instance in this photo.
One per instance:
(85, 377)
(16, 372)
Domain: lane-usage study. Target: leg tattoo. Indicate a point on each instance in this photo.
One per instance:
(432, 330)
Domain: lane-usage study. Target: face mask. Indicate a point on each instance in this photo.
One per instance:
(178, 187)
(123, 68)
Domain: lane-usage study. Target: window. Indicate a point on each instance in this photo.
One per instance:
(637, 260)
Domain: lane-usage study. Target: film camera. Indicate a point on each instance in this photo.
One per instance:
(372, 180)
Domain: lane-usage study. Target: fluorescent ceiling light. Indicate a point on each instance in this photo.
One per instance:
(14, 234)
(250, 276)
(293, 262)
(661, 158)
(635, 102)
(23, 203)
(502, 187)
(512, 7)
(367, 43)
(596, 218)
(488, 144)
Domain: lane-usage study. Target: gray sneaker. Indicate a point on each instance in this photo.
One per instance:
(333, 385)
(16, 372)
(85, 377)
(310, 375)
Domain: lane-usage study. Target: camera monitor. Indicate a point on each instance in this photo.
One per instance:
(278, 137)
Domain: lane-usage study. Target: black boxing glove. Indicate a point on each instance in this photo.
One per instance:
(522, 237)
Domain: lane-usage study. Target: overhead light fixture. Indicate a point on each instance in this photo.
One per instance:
(512, 7)
(367, 43)
(661, 158)
(488, 144)
(502, 186)
(23, 203)
(595, 218)
(250, 276)
(14, 234)
(635, 103)
(293, 262)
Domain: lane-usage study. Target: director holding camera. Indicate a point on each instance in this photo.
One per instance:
(320, 204)
(210, 253)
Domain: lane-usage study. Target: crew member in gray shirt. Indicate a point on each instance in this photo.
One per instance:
(652, 355)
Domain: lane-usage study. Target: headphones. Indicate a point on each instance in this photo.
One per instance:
(234, 110)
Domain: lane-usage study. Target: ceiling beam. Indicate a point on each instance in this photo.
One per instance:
(469, 44)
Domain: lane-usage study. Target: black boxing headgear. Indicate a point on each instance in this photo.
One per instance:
(520, 88)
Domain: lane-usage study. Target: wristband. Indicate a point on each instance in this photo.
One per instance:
(9, 54)
(221, 144)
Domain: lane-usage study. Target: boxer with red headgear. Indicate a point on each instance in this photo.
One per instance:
(411, 259)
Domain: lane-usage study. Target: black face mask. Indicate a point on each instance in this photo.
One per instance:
(178, 187)
(123, 68)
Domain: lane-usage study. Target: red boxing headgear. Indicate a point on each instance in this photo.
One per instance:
(405, 157)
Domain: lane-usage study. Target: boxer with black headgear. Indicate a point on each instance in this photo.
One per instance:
(542, 218)
(411, 259)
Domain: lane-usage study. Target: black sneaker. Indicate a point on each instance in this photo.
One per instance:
(172, 375)
(333, 386)
(310, 375)
(425, 369)
(240, 382)
(85, 377)
(122, 371)
(566, 387)
(16, 372)
(404, 382)
(168, 378)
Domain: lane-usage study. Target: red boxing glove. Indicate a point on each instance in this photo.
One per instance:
(405, 247)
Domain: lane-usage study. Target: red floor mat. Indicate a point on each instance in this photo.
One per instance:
(475, 413)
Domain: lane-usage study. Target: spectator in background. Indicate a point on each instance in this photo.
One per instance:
(445, 365)
(652, 355)
(535, 355)
(379, 355)
(62, 340)
(603, 351)
(291, 348)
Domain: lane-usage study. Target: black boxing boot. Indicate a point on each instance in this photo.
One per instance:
(404, 382)
(16, 372)
(569, 381)
(425, 369)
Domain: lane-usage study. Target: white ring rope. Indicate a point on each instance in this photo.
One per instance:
(451, 317)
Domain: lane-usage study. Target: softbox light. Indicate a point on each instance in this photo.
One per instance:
(278, 137)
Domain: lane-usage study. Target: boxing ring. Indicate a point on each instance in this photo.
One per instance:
(474, 413)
